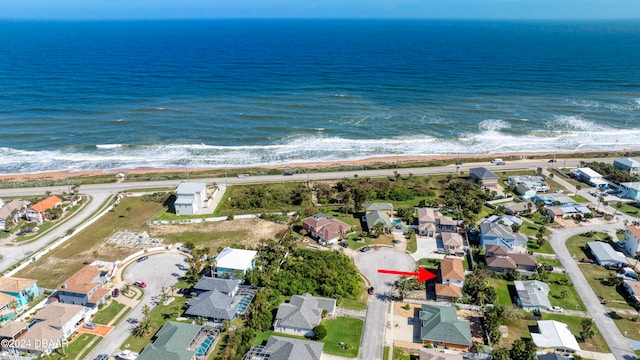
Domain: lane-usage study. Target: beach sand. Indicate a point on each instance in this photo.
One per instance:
(400, 160)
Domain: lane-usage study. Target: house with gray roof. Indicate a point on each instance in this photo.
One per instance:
(378, 217)
(483, 176)
(498, 234)
(439, 325)
(190, 198)
(630, 190)
(605, 255)
(217, 299)
(180, 341)
(302, 313)
(532, 294)
(282, 348)
(377, 206)
(628, 165)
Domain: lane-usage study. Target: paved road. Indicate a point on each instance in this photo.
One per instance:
(13, 254)
(618, 345)
(156, 272)
(372, 342)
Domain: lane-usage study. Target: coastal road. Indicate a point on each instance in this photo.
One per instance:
(14, 254)
(368, 263)
(157, 271)
(618, 345)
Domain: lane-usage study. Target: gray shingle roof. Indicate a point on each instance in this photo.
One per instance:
(533, 293)
(482, 173)
(304, 312)
(376, 217)
(223, 285)
(293, 349)
(190, 188)
(378, 206)
(212, 304)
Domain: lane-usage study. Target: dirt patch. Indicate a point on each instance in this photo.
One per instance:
(475, 322)
(400, 310)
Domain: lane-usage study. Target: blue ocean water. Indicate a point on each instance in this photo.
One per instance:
(124, 94)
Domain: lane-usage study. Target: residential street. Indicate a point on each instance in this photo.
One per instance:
(156, 272)
(372, 342)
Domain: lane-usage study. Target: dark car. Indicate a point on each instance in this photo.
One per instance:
(365, 249)
(115, 292)
(102, 357)
(288, 173)
(371, 290)
(143, 258)
(458, 162)
(343, 244)
(552, 160)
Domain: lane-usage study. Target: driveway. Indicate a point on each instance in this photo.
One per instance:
(427, 248)
(374, 326)
(156, 272)
(618, 345)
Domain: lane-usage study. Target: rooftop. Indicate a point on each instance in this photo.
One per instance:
(631, 185)
(634, 230)
(172, 341)
(604, 252)
(533, 293)
(47, 203)
(190, 188)
(554, 334)
(82, 282)
(629, 162)
(451, 268)
(589, 172)
(58, 314)
(14, 284)
(441, 324)
(482, 174)
(7, 209)
(237, 259)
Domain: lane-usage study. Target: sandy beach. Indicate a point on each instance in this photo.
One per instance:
(400, 160)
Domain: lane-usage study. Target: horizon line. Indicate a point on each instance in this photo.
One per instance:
(91, 19)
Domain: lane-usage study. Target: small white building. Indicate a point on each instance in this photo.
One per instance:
(632, 240)
(606, 255)
(234, 261)
(589, 176)
(555, 336)
(629, 165)
(190, 198)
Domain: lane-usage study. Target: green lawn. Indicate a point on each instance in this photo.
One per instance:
(107, 314)
(78, 250)
(346, 330)
(579, 199)
(576, 244)
(502, 290)
(75, 348)
(596, 343)
(628, 325)
(518, 328)
(353, 304)
(158, 316)
(433, 264)
(532, 245)
(552, 262)
(571, 301)
(485, 211)
(260, 198)
(629, 210)
(593, 273)
(412, 243)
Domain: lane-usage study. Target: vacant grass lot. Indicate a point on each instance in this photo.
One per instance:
(614, 296)
(571, 301)
(261, 198)
(502, 290)
(628, 209)
(532, 245)
(596, 343)
(58, 265)
(518, 328)
(107, 314)
(628, 325)
(343, 329)
(577, 244)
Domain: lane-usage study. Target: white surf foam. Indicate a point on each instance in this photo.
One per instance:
(493, 125)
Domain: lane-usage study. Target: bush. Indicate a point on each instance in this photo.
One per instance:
(319, 332)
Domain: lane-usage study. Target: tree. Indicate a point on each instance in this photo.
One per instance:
(587, 331)
(125, 288)
(95, 254)
(319, 332)
(523, 349)
(618, 207)
(578, 188)
(564, 294)
(402, 286)
(146, 309)
(378, 228)
(500, 354)
(143, 327)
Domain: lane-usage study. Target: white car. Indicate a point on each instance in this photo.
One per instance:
(557, 309)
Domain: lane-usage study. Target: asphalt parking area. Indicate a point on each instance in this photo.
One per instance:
(383, 258)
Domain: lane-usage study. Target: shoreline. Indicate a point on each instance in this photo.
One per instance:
(386, 160)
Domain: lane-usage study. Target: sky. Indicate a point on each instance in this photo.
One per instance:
(199, 9)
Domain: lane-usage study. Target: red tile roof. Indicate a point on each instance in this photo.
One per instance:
(451, 268)
(634, 230)
(448, 290)
(47, 203)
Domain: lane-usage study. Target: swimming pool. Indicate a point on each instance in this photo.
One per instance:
(243, 304)
(396, 221)
(204, 346)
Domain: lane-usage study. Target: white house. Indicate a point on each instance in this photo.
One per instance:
(632, 239)
(606, 255)
(234, 261)
(555, 336)
(13, 210)
(589, 176)
(628, 165)
(536, 183)
(190, 198)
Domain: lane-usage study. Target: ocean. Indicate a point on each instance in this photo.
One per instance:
(226, 93)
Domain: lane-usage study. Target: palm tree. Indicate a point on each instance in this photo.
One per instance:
(578, 188)
(146, 309)
(143, 327)
(618, 207)
(126, 288)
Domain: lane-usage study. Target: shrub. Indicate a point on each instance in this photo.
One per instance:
(319, 332)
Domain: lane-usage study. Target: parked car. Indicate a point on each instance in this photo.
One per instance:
(102, 357)
(288, 173)
(140, 284)
(343, 244)
(115, 292)
(552, 160)
(458, 162)
(371, 290)
(557, 309)
(143, 258)
(90, 325)
(365, 249)
(587, 260)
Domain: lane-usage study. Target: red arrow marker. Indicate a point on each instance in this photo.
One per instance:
(422, 274)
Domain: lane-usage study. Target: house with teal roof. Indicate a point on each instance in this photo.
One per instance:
(440, 327)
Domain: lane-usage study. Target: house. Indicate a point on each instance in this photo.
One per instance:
(49, 328)
(526, 192)
(630, 190)
(11, 212)
(551, 356)
(633, 289)
(535, 183)
(553, 199)
(555, 336)
(532, 294)
(430, 354)
(605, 255)
(190, 198)
(325, 229)
(86, 288)
(506, 220)
(180, 341)
(483, 176)
(282, 348)
(426, 222)
(302, 313)
(523, 262)
(451, 241)
(375, 217)
(566, 211)
(588, 176)
(496, 250)
(8, 306)
(439, 326)
(217, 299)
(517, 208)
(37, 213)
(632, 240)
(498, 234)
(386, 208)
(234, 262)
(11, 330)
(445, 223)
(628, 165)
(22, 289)
(451, 278)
